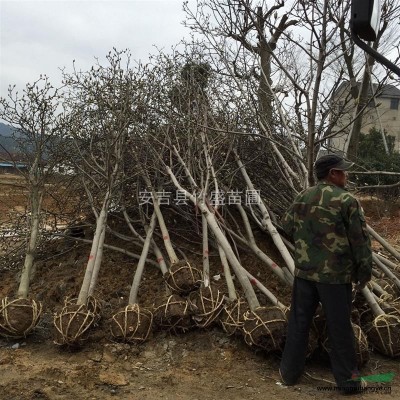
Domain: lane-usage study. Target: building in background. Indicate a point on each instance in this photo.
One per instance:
(382, 112)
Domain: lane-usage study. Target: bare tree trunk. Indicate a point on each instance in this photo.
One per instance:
(266, 220)
(36, 201)
(384, 243)
(206, 260)
(283, 273)
(140, 267)
(228, 276)
(221, 239)
(101, 222)
(156, 249)
(376, 309)
(97, 264)
(167, 241)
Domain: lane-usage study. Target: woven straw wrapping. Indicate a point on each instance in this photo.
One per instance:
(182, 278)
(384, 334)
(71, 324)
(232, 316)
(265, 327)
(18, 317)
(92, 304)
(206, 305)
(132, 324)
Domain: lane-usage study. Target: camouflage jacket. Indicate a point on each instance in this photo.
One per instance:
(328, 228)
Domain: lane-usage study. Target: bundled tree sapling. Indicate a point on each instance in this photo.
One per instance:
(133, 323)
(102, 102)
(36, 117)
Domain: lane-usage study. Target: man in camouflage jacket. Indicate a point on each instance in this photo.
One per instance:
(332, 250)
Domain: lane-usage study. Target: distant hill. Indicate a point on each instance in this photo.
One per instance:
(6, 138)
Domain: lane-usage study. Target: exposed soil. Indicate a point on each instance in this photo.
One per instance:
(199, 364)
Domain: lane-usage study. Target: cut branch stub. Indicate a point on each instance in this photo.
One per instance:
(18, 317)
(232, 316)
(173, 313)
(132, 324)
(72, 324)
(265, 327)
(182, 278)
(206, 305)
(384, 334)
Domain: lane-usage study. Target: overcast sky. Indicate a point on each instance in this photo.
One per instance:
(42, 36)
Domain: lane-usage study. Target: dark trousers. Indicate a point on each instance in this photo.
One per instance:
(336, 303)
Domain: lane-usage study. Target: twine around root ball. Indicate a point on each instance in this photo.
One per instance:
(173, 313)
(18, 317)
(132, 324)
(206, 305)
(72, 324)
(232, 316)
(384, 334)
(182, 278)
(265, 327)
(92, 304)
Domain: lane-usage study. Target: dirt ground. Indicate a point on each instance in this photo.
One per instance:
(200, 364)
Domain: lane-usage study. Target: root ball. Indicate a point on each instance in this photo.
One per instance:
(18, 317)
(206, 305)
(72, 324)
(132, 324)
(384, 334)
(173, 313)
(182, 278)
(232, 316)
(265, 327)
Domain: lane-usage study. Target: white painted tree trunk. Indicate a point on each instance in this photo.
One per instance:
(222, 240)
(97, 264)
(384, 243)
(228, 276)
(206, 259)
(36, 202)
(140, 267)
(101, 222)
(375, 308)
(272, 298)
(283, 273)
(386, 271)
(164, 231)
(267, 223)
(160, 258)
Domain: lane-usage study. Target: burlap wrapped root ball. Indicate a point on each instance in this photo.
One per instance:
(360, 345)
(384, 334)
(182, 278)
(132, 324)
(265, 327)
(72, 324)
(173, 313)
(18, 317)
(232, 316)
(206, 304)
